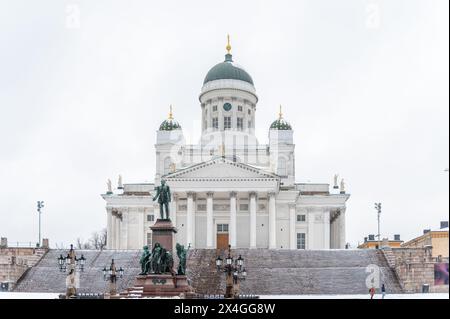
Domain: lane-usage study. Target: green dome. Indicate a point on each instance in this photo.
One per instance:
(280, 124)
(228, 70)
(169, 125)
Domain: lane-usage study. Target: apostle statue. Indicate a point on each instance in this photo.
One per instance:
(342, 186)
(119, 184)
(164, 198)
(108, 183)
(336, 176)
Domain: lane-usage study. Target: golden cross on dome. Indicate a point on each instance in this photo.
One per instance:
(170, 112)
(228, 47)
(280, 114)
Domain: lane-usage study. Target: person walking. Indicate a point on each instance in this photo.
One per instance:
(383, 291)
(372, 292)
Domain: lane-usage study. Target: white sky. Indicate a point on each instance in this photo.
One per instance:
(368, 98)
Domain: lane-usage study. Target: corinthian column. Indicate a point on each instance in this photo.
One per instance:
(252, 220)
(233, 230)
(292, 224)
(209, 220)
(109, 234)
(272, 222)
(342, 229)
(190, 219)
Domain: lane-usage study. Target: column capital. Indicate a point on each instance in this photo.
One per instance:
(271, 194)
(210, 194)
(175, 196)
(252, 194)
(191, 194)
(292, 205)
(233, 194)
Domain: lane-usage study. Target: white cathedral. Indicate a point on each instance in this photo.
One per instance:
(229, 189)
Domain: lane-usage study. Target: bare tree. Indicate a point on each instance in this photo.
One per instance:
(98, 240)
(79, 244)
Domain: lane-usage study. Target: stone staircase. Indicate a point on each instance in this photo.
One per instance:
(46, 277)
(275, 272)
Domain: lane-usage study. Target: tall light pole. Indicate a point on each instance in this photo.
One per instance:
(378, 208)
(40, 205)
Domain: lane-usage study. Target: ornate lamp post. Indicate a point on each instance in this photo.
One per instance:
(71, 264)
(235, 273)
(71, 261)
(111, 276)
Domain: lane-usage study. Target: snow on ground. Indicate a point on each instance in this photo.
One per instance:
(28, 295)
(377, 296)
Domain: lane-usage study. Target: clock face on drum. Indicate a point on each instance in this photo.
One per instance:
(227, 107)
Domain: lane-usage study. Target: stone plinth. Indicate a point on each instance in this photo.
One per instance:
(162, 285)
(163, 233)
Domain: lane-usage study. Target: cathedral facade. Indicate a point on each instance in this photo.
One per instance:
(229, 189)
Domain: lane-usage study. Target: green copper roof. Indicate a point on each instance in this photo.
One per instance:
(228, 70)
(280, 124)
(169, 125)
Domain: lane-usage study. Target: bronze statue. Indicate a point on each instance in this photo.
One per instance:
(159, 261)
(144, 261)
(163, 196)
(181, 253)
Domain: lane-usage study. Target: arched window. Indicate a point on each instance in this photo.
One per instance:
(282, 166)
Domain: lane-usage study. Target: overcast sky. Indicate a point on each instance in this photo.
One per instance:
(85, 84)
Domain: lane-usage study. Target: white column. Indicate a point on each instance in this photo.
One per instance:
(272, 222)
(292, 228)
(209, 220)
(342, 229)
(310, 242)
(141, 219)
(233, 230)
(326, 230)
(118, 234)
(252, 220)
(189, 219)
(113, 231)
(173, 210)
(109, 228)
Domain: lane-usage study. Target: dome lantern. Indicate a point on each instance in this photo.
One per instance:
(280, 123)
(170, 124)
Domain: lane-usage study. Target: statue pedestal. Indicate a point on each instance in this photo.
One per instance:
(159, 285)
(163, 233)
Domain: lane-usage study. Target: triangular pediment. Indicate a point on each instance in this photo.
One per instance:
(221, 168)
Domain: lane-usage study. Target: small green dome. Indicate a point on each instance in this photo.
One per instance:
(228, 70)
(280, 124)
(169, 125)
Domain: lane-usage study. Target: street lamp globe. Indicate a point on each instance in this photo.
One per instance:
(229, 260)
(218, 262)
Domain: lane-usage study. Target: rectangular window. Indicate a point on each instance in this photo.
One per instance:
(222, 228)
(214, 108)
(249, 124)
(240, 108)
(150, 218)
(227, 122)
(243, 207)
(249, 112)
(215, 122)
(301, 241)
(149, 240)
(301, 218)
(240, 123)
